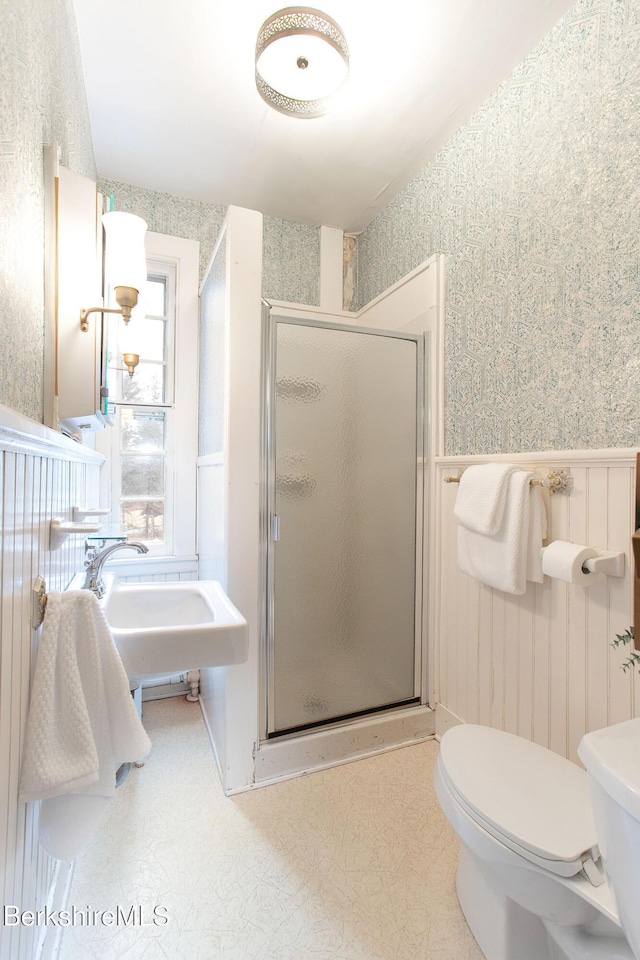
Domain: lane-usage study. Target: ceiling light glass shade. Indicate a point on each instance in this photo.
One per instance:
(302, 59)
(126, 263)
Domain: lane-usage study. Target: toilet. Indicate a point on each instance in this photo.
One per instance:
(612, 759)
(531, 880)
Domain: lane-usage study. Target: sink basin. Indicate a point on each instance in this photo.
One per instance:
(173, 627)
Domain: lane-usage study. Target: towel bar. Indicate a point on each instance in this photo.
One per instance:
(557, 481)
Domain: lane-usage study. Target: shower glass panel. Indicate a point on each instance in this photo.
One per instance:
(345, 438)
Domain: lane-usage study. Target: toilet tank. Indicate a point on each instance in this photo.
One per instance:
(612, 759)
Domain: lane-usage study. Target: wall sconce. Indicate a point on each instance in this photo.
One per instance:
(126, 267)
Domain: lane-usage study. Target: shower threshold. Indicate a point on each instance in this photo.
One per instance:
(297, 753)
(343, 718)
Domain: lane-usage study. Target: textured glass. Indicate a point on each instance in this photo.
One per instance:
(142, 476)
(345, 448)
(146, 385)
(212, 349)
(143, 519)
(142, 430)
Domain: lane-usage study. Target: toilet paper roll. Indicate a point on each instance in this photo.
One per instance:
(563, 561)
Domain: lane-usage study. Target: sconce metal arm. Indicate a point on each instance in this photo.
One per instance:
(84, 314)
(127, 297)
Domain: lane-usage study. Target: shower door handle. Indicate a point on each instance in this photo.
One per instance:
(275, 528)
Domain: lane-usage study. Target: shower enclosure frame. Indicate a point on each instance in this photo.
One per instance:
(270, 321)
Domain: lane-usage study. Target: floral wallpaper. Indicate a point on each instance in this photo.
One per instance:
(291, 262)
(349, 272)
(42, 100)
(169, 214)
(291, 254)
(535, 202)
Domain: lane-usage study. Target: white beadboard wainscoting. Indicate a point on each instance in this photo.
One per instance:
(42, 475)
(540, 665)
(154, 569)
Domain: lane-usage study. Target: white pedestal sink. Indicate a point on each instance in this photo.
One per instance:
(172, 627)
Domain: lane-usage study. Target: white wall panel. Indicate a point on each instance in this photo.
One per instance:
(35, 485)
(541, 665)
(229, 695)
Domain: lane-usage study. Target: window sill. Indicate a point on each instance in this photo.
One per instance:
(152, 566)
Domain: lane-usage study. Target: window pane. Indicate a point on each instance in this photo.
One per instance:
(144, 519)
(148, 338)
(142, 476)
(146, 385)
(154, 295)
(142, 431)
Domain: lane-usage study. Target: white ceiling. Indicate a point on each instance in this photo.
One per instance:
(174, 108)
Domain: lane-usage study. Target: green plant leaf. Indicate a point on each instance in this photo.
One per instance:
(633, 659)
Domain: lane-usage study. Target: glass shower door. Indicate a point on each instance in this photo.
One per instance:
(345, 438)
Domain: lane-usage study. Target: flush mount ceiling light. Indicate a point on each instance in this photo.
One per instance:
(302, 59)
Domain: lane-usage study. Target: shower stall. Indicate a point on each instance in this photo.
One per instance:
(343, 448)
(316, 533)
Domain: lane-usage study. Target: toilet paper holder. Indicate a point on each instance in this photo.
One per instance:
(608, 562)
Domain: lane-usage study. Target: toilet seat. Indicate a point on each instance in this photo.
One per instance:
(532, 800)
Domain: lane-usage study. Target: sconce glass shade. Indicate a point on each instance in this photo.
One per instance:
(126, 264)
(302, 59)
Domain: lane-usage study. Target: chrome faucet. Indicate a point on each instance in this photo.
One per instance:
(93, 580)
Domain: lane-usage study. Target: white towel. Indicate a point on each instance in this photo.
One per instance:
(82, 723)
(482, 496)
(501, 560)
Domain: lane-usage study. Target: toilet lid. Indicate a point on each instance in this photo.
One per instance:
(534, 800)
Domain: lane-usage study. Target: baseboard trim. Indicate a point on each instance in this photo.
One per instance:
(444, 719)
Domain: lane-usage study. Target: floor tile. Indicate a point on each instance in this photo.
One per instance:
(352, 863)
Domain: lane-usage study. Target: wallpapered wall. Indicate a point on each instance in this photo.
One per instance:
(535, 202)
(291, 258)
(42, 100)
(291, 262)
(166, 213)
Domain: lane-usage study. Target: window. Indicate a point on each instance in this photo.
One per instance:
(143, 470)
(152, 335)
(152, 444)
(143, 411)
